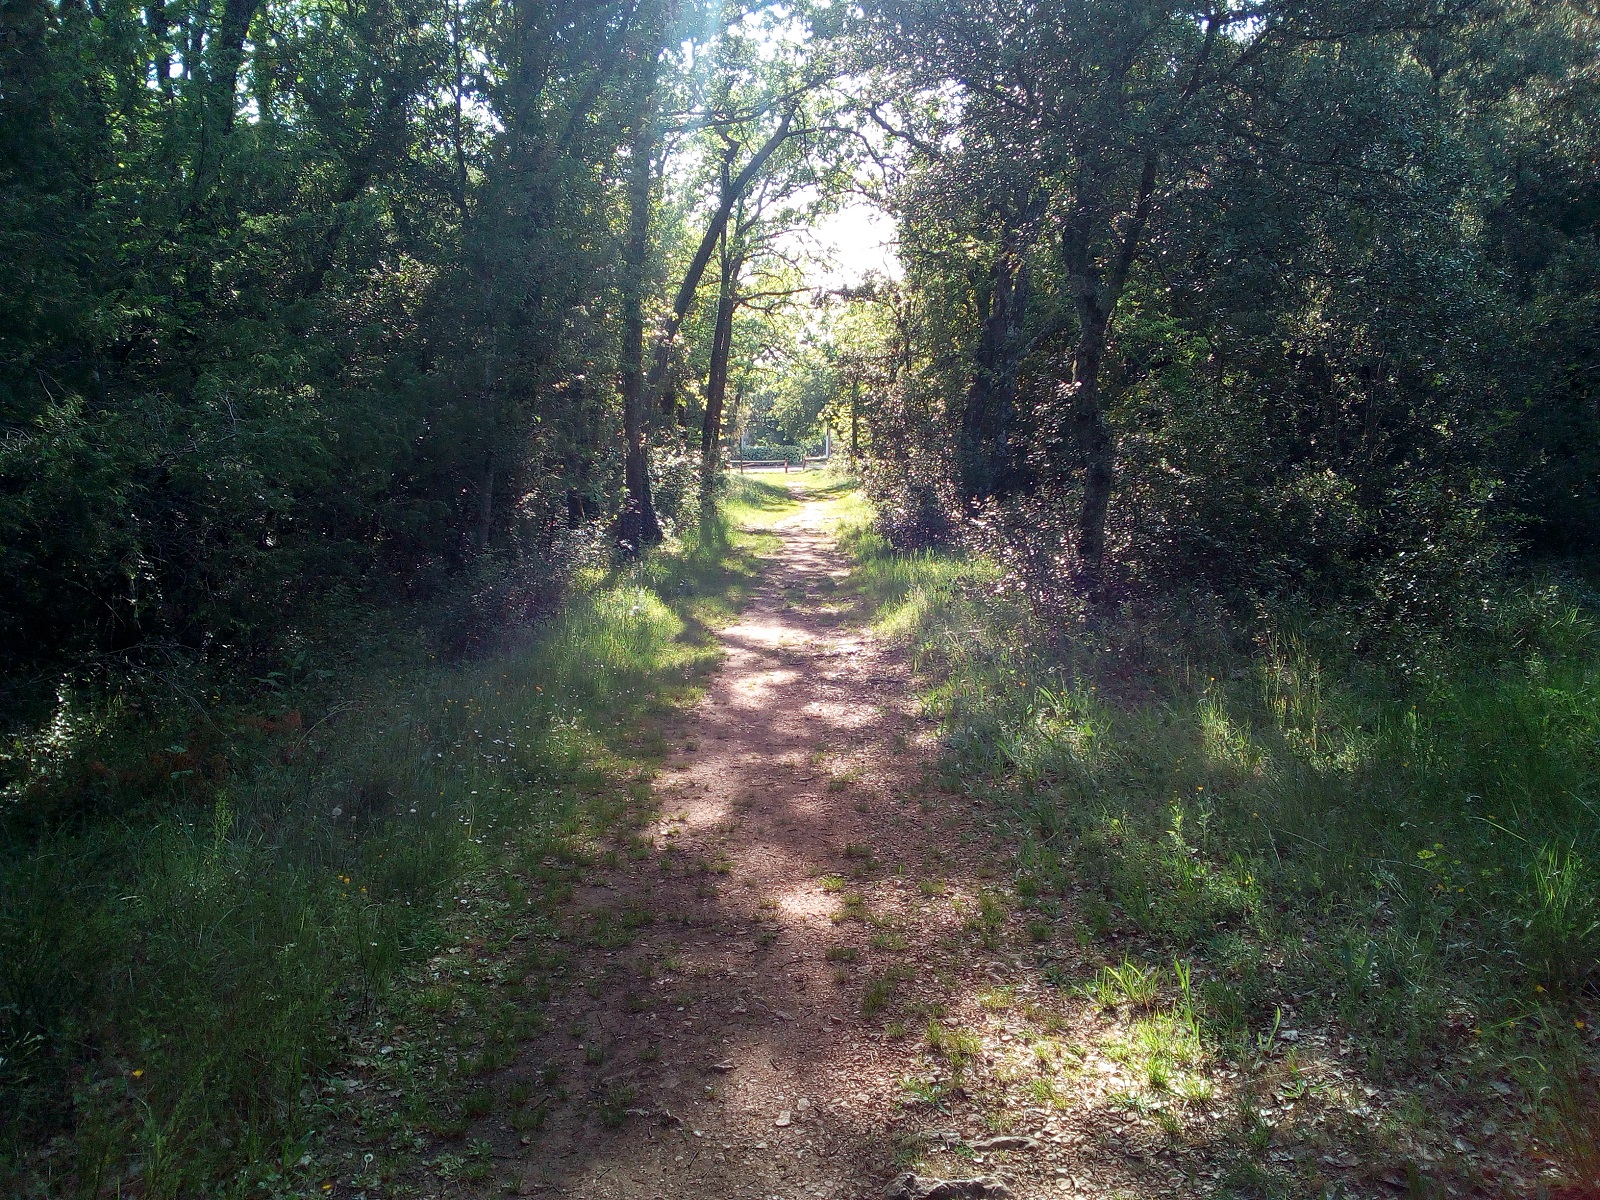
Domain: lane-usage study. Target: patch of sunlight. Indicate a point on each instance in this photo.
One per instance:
(1166, 1050)
(1013, 1068)
(1226, 742)
(997, 999)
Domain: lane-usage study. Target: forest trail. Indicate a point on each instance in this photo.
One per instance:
(811, 904)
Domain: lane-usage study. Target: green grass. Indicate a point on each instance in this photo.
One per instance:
(1129, 984)
(193, 937)
(1412, 851)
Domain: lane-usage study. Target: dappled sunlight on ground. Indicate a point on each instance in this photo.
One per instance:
(833, 981)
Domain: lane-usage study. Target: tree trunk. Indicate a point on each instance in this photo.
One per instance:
(855, 423)
(731, 191)
(639, 525)
(987, 459)
(1096, 447)
(222, 58)
(160, 32)
(1096, 291)
(717, 379)
(486, 503)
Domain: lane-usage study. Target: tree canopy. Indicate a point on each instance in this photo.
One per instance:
(305, 307)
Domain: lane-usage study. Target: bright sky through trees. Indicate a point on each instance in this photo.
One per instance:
(847, 246)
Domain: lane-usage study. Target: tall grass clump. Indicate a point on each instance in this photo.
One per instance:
(1417, 848)
(197, 905)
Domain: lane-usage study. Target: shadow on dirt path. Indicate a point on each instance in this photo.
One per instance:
(725, 1052)
(805, 981)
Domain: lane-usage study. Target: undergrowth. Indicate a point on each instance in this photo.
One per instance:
(199, 905)
(1411, 857)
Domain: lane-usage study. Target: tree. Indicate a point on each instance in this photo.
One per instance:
(1087, 132)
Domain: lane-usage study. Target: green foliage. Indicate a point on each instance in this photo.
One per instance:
(1407, 846)
(1133, 307)
(294, 326)
(1561, 900)
(178, 970)
(758, 452)
(1128, 984)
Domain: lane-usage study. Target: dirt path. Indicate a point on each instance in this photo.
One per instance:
(814, 945)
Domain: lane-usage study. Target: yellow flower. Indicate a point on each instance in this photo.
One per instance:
(1580, 1025)
(1538, 987)
(137, 1072)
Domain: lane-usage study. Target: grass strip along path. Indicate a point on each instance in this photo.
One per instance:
(236, 902)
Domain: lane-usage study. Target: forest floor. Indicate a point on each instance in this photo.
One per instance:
(810, 974)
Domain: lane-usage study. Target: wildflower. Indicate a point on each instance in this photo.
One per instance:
(1426, 854)
(1538, 987)
(138, 1072)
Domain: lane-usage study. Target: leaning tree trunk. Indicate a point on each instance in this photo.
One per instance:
(729, 193)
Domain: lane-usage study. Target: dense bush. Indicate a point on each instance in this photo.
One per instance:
(1164, 327)
(278, 335)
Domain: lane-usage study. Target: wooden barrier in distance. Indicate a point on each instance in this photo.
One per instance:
(772, 464)
(760, 464)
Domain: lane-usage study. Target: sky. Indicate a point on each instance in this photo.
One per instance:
(845, 247)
